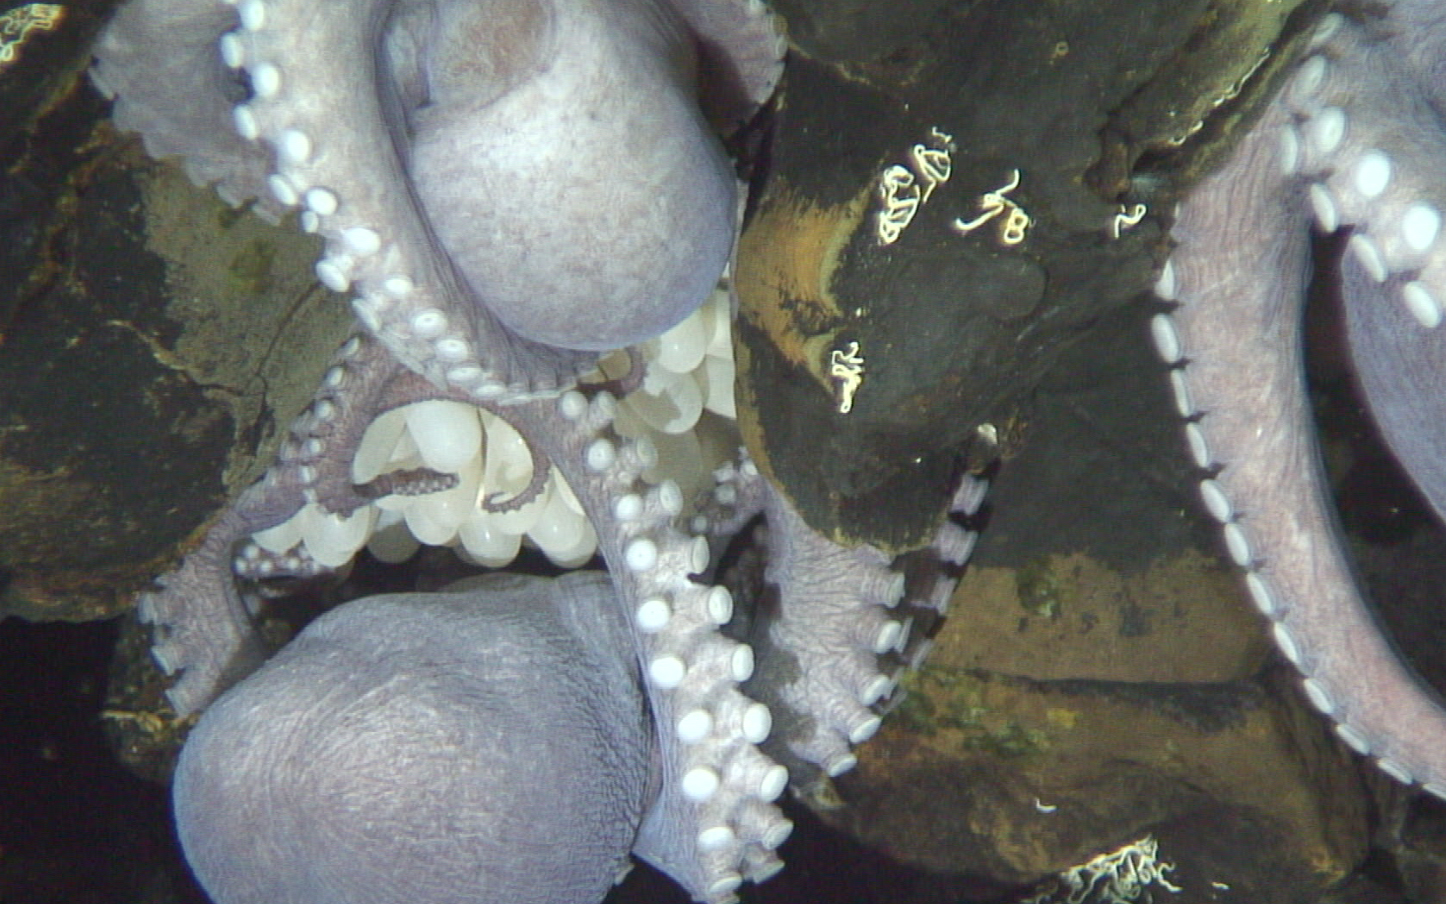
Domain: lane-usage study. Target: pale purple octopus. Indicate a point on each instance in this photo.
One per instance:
(1354, 141)
(505, 188)
(502, 210)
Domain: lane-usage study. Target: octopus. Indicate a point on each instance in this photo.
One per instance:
(529, 206)
(1347, 144)
(525, 735)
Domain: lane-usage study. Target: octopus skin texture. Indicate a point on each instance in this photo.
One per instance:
(1349, 143)
(465, 725)
(495, 237)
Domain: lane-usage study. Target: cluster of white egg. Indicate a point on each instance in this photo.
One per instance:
(684, 407)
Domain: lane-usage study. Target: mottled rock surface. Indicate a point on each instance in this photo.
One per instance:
(156, 344)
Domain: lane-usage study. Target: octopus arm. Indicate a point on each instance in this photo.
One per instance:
(160, 61)
(843, 625)
(713, 823)
(1321, 152)
(204, 630)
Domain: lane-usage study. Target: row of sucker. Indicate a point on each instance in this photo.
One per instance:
(1394, 232)
(709, 731)
(1345, 180)
(312, 462)
(860, 600)
(158, 95)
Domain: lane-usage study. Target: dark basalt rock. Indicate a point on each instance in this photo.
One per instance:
(155, 345)
(1099, 107)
